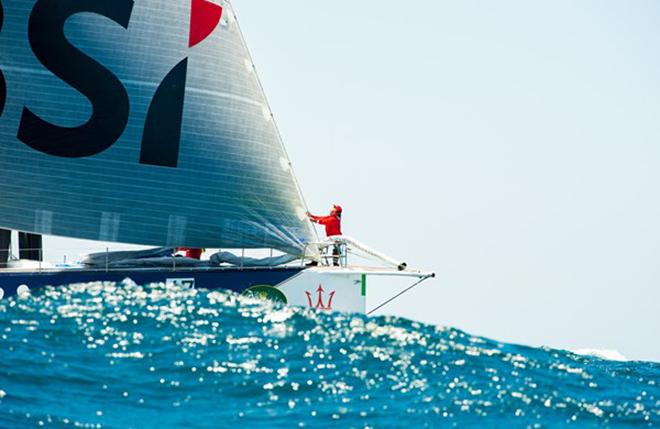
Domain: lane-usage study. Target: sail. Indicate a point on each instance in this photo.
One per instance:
(140, 122)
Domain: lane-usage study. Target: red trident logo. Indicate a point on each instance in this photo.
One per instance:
(319, 302)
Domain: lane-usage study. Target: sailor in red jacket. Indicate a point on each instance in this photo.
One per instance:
(191, 252)
(332, 225)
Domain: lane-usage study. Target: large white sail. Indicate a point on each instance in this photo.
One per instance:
(140, 122)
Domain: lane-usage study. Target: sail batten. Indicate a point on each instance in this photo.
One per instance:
(225, 181)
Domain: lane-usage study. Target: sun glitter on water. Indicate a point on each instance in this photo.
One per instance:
(130, 356)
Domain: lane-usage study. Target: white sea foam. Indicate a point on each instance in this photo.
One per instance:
(602, 354)
(279, 316)
(133, 355)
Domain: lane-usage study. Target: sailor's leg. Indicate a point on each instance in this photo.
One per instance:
(336, 253)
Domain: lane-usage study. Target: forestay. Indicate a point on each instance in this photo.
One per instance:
(140, 122)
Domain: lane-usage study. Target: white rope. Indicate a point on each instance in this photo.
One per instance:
(368, 251)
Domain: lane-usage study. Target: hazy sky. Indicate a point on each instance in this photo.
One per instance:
(511, 146)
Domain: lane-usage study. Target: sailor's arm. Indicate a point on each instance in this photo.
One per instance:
(313, 218)
(324, 220)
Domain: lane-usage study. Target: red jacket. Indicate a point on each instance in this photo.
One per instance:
(332, 224)
(191, 252)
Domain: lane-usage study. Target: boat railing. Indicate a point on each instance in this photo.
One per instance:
(64, 259)
(323, 252)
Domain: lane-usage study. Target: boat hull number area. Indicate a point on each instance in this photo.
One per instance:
(181, 283)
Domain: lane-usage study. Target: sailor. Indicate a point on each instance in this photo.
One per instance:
(332, 224)
(191, 252)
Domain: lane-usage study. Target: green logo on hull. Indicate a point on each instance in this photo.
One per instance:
(266, 293)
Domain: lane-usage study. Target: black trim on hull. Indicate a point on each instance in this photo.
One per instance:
(5, 244)
(30, 246)
(235, 279)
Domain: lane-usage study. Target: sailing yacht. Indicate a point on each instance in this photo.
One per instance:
(144, 122)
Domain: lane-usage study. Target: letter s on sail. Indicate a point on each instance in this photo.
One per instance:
(109, 99)
(3, 84)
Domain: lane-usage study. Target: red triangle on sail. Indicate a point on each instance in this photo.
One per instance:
(204, 18)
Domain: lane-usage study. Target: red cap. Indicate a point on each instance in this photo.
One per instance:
(337, 208)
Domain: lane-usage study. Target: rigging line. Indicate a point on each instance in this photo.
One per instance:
(398, 295)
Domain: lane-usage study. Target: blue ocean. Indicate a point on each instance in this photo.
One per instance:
(130, 356)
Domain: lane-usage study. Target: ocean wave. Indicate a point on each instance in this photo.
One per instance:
(108, 355)
(602, 354)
